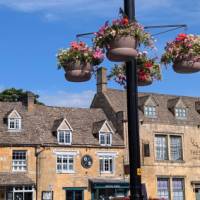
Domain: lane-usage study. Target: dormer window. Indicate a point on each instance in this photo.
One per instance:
(14, 124)
(150, 111)
(105, 139)
(180, 113)
(105, 134)
(14, 121)
(64, 137)
(64, 133)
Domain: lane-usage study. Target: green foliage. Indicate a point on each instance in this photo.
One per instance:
(15, 95)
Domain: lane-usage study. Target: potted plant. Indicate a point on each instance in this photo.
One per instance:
(147, 71)
(184, 53)
(120, 39)
(78, 61)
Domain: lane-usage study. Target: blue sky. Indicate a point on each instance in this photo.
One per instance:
(32, 31)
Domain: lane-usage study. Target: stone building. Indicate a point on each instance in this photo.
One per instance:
(169, 138)
(79, 154)
(58, 153)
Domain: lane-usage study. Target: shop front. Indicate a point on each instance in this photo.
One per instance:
(103, 189)
(16, 187)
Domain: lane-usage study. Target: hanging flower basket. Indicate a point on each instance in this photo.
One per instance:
(122, 49)
(147, 71)
(79, 61)
(183, 53)
(78, 72)
(186, 67)
(121, 38)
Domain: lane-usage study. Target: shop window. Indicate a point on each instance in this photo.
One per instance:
(19, 161)
(74, 194)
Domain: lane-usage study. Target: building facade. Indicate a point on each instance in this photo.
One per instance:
(57, 153)
(169, 139)
(60, 153)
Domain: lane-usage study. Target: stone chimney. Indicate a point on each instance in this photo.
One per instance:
(101, 80)
(30, 101)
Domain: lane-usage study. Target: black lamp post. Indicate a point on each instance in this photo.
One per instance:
(132, 110)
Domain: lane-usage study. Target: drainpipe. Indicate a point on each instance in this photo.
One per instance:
(37, 153)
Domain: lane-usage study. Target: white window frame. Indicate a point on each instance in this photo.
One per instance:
(168, 143)
(16, 122)
(107, 155)
(105, 135)
(111, 166)
(150, 111)
(19, 164)
(67, 156)
(65, 133)
(180, 113)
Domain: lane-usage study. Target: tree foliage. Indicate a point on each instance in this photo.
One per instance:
(15, 95)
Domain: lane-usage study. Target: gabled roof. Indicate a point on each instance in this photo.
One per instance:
(13, 114)
(39, 125)
(147, 100)
(64, 125)
(102, 126)
(118, 101)
(176, 102)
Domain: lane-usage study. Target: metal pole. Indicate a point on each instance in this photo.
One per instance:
(132, 111)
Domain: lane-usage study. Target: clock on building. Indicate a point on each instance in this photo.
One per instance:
(86, 161)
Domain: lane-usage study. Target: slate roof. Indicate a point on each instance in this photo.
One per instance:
(117, 99)
(15, 179)
(38, 126)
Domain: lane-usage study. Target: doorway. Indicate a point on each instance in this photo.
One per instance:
(197, 191)
(74, 195)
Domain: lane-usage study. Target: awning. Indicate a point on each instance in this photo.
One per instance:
(15, 179)
(109, 183)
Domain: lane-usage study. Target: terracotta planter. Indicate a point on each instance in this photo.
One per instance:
(78, 72)
(122, 49)
(186, 67)
(145, 82)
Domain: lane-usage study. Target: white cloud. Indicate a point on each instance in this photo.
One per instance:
(68, 99)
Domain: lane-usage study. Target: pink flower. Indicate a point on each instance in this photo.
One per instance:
(98, 54)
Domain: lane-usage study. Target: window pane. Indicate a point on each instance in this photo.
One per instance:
(176, 147)
(106, 164)
(61, 137)
(180, 112)
(102, 139)
(19, 160)
(67, 138)
(161, 147)
(65, 163)
(178, 188)
(163, 188)
(108, 139)
(150, 111)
